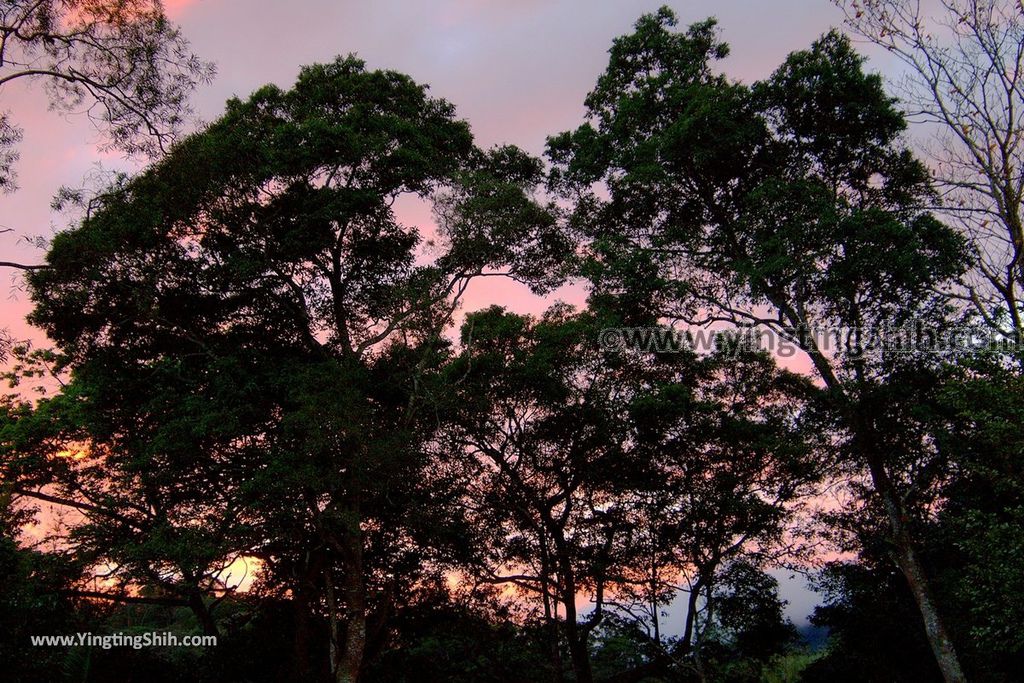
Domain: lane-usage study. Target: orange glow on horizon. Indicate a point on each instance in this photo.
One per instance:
(73, 452)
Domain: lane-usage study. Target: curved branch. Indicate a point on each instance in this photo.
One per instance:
(22, 266)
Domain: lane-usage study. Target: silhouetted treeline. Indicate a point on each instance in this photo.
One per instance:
(266, 372)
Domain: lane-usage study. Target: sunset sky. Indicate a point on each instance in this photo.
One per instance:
(517, 70)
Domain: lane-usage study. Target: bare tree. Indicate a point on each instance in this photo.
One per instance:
(965, 82)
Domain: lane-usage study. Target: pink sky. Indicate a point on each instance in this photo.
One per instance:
(517, 71)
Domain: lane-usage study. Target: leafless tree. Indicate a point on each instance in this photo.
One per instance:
(964, 81)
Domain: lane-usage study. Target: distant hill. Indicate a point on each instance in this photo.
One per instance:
(814, 637)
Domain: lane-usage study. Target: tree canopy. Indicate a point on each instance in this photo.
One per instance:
(276, 425)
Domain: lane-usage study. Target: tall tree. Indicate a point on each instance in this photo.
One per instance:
(734, 456)
(263, 258)
(789, 206)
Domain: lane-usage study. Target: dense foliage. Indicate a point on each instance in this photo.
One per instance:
(274, 425)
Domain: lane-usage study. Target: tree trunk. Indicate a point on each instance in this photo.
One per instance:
(301, 669)
(905, 556)
(578, 651)
(550, 615)
(577, 639)
(685, 644)
(203, 615)
(913, 571)
(349, 661)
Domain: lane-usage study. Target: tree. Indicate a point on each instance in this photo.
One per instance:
(536, 418)
(949, 425)
(157, 531)
(734, 462)
(30, 602)
(976, 536)
(121, 61)
(748, 626)
(964, 83)
(257, 284)
(789, 206)
(867, 608)
(617, 476)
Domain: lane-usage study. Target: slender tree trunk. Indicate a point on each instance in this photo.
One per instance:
(701, 631)
(685, 645)
(349, 657)
(301, 669)
(333, 626)
(655, 622)
(912, 569)
(550, 617)
(906, 558)
(578, 650)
